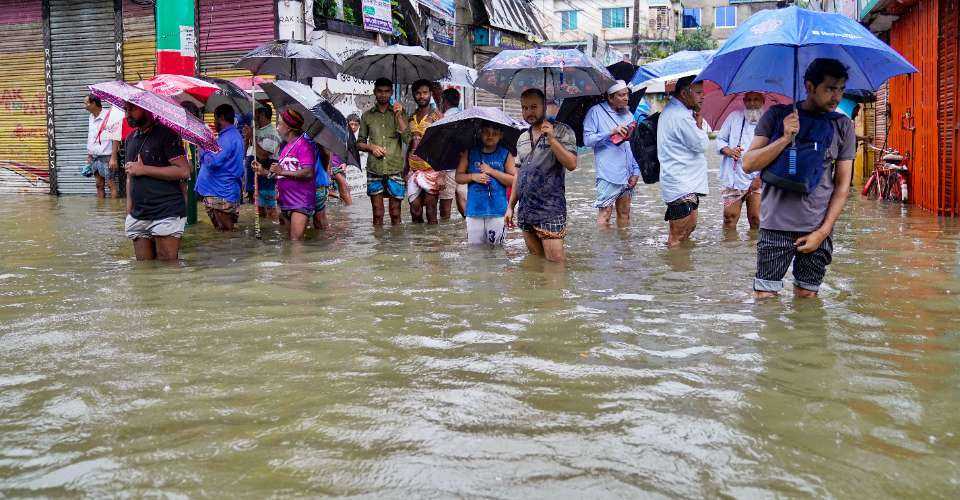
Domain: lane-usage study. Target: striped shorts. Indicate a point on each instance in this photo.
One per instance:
(775, 252)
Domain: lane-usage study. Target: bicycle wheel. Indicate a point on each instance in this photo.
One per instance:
(872, 189)
(894, 192)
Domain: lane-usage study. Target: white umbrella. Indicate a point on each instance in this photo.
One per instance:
(460, 75)
(664, 83)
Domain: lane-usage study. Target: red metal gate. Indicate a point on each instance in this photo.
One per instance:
(949, 77)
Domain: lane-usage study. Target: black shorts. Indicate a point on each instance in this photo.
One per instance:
(288, 214)
(776, 250)
(682, 207)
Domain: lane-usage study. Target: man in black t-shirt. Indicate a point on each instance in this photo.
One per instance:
(156, 207)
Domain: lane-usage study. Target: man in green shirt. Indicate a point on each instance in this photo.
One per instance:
(383, 132)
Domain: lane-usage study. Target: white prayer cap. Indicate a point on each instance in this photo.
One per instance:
(617, 87)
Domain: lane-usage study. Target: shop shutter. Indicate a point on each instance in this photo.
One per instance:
(23, 138)
(88, 26)
(229, 29)
(949, 77)
(139, 40)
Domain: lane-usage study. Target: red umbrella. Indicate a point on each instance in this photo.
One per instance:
(164, 109)
(180, 88)
(716, 106)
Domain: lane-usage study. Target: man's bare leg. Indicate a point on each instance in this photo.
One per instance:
(100, 185)
(144, 249)
(534, 245)
(114, 188)
(623, 211)
(553, 250)
(394, 212)
(461, 204)
(320, 220)
(731, 215)
(603, 215)
(681, 229)
(753, 210)
(803, 293)
(430, 202)
(416, 209)
(344, 189)
(168, 248)
(764, 295)
(376, 201)
(297, 225)
(446, 209)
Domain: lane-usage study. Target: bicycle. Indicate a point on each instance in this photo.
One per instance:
(889, 178)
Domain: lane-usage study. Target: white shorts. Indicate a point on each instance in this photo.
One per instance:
(451, 188)
(171, 226)
(485, 230)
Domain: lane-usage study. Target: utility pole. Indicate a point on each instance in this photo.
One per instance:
(635, 52)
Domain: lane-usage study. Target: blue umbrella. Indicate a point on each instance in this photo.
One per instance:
(681, 62)
(766, 54)
(769, 51)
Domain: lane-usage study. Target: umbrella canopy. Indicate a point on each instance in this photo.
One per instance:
(770, 51)
(716, 106)
(665, 83)
(403, 64)
(321, 121)
(559, 73)
(180, 88)
(622, 70)
(229, 93)
(165, 110)
(447, 138)
(290, 60)
(460, 75)
(680, 62)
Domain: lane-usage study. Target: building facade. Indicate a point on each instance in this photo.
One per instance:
(721, 16)
(605, 28)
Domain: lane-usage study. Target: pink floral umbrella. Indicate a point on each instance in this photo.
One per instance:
(165, 110)
(180, 88)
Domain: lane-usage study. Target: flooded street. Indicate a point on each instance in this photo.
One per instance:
(399, 363)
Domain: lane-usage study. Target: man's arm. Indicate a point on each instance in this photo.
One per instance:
(114, 155)
(592, 134)
(129, 196)
(842, 175)
(693, 137)
(559, 149)
(762, 153)
(462, 177)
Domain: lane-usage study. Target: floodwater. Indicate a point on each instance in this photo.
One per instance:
(399, 363)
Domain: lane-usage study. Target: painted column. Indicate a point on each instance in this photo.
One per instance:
(177, 54)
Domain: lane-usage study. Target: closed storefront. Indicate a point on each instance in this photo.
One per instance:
(23, 143)
(89, 25)
(948, 119)
(139, 40)
(227, 29)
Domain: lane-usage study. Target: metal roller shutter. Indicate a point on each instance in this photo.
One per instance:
(139, 40)
(73, 25)
(23, 142)
(949, 69)
(230, 28)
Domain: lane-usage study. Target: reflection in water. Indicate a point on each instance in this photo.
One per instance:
(399, 361)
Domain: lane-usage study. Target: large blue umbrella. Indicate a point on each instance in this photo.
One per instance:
(769, 52)
(680, 62)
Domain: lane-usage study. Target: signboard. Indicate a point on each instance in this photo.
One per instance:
(441, 31)
(290, 19)
(342, 47)
(445, 9)
(377, 17)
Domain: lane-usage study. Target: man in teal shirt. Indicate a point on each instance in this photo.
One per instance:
(383, 132)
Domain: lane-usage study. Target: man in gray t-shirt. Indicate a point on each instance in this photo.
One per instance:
(797, 227)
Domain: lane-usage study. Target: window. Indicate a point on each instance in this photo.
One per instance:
(691, 17)
(568, 20)
(726, 17)
(616, 18)
(660, 19)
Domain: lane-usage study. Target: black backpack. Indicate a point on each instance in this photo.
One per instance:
(643, 144)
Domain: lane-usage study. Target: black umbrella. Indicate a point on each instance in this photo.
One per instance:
(290, 60)
(447, 138)
(321, 121)
(230, 93)
(573, 110)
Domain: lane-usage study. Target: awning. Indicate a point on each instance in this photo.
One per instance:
(514, 15)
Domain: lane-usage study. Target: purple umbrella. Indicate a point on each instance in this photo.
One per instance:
(165, 110)
(448, 137)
